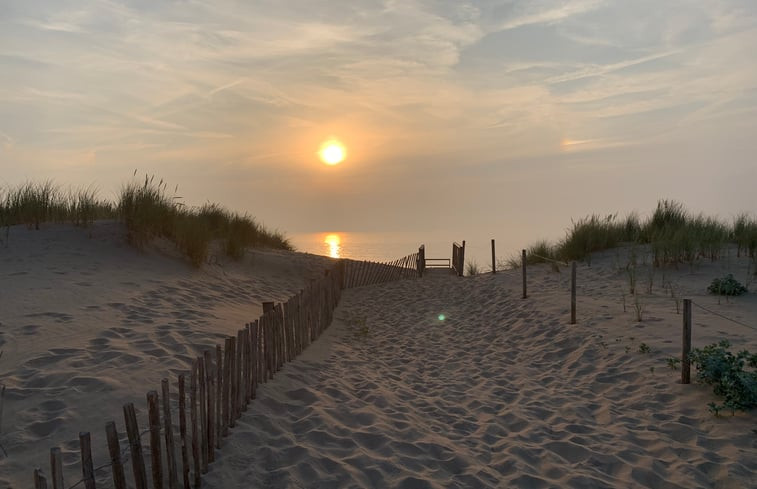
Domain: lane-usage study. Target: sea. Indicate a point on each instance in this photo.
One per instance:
(387, 246)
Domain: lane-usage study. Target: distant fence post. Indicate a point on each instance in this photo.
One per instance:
(462, 258)
(573, 293)
(686, 349)
(523, 263)
(494, 262)
(421, 260)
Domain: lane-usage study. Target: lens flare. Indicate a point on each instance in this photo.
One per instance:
(442, 317)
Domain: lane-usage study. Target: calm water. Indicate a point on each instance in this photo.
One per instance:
(389, 246)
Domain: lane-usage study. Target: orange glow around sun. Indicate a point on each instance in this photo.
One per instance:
(332, 152)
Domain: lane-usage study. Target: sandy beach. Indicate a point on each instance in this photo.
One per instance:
(424, 383)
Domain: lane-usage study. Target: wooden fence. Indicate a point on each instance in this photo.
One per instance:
(360, 273)
(458, 258)
(222, 382)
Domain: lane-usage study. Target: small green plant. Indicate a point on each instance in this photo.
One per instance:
(675, 296)
(674, 363)
(644, 348)
(359, 326)
(651, 369)
(733, 377)
(628, 348)
(638, 307)
(727, 286)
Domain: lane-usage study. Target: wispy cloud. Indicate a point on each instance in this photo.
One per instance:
(410, 84)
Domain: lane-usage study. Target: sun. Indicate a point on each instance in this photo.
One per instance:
(332, 152)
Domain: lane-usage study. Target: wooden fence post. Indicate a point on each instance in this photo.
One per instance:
(135, 446)
(686, 347)
(219, 395)
(462, 258)
(523, 266)
(87, 469)
(183, 433)
(39, 480)
(494, 262)
(226, 386)
(193, 421)
(202, 401)
(153, 415)
(56, 468)
(573, 293)
(209, 381)
(173, 480)
(232, 353)
(114, 448)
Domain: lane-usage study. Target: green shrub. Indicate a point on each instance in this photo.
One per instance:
(726, 286)
(726, 372)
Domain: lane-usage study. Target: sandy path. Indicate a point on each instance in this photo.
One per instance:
(502, 393)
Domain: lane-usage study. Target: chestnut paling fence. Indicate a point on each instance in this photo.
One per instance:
(187, 427)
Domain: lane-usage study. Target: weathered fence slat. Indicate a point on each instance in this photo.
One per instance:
(87, 469)
(226, 385)
(39, 480)
(195, 429)
(173, 481)
(114, 449)
(183, 433)
(219, 395)
(211, 406)
(56, 468)
(202, 413)
(153, 415)
(135, 446)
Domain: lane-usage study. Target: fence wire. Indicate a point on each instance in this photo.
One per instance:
(565, 264)
(724, 317)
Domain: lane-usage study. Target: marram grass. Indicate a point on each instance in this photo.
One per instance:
(147, 210)
(673, 234)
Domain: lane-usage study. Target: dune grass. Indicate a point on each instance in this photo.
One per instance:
(673, 234)
(32, 204)
(148, 211)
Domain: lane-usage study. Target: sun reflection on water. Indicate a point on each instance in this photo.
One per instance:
(334, 242)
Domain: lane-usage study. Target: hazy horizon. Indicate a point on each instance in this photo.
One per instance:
(473, 117)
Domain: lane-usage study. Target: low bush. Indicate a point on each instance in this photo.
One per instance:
(726, 286)
(733, 377)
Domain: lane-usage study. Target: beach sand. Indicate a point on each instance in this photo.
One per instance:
(88, 323)
(503, 392)
(499, 392)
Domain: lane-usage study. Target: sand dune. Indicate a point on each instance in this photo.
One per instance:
(501, 392)
(87, 323)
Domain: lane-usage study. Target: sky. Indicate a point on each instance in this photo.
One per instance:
(463, 116)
